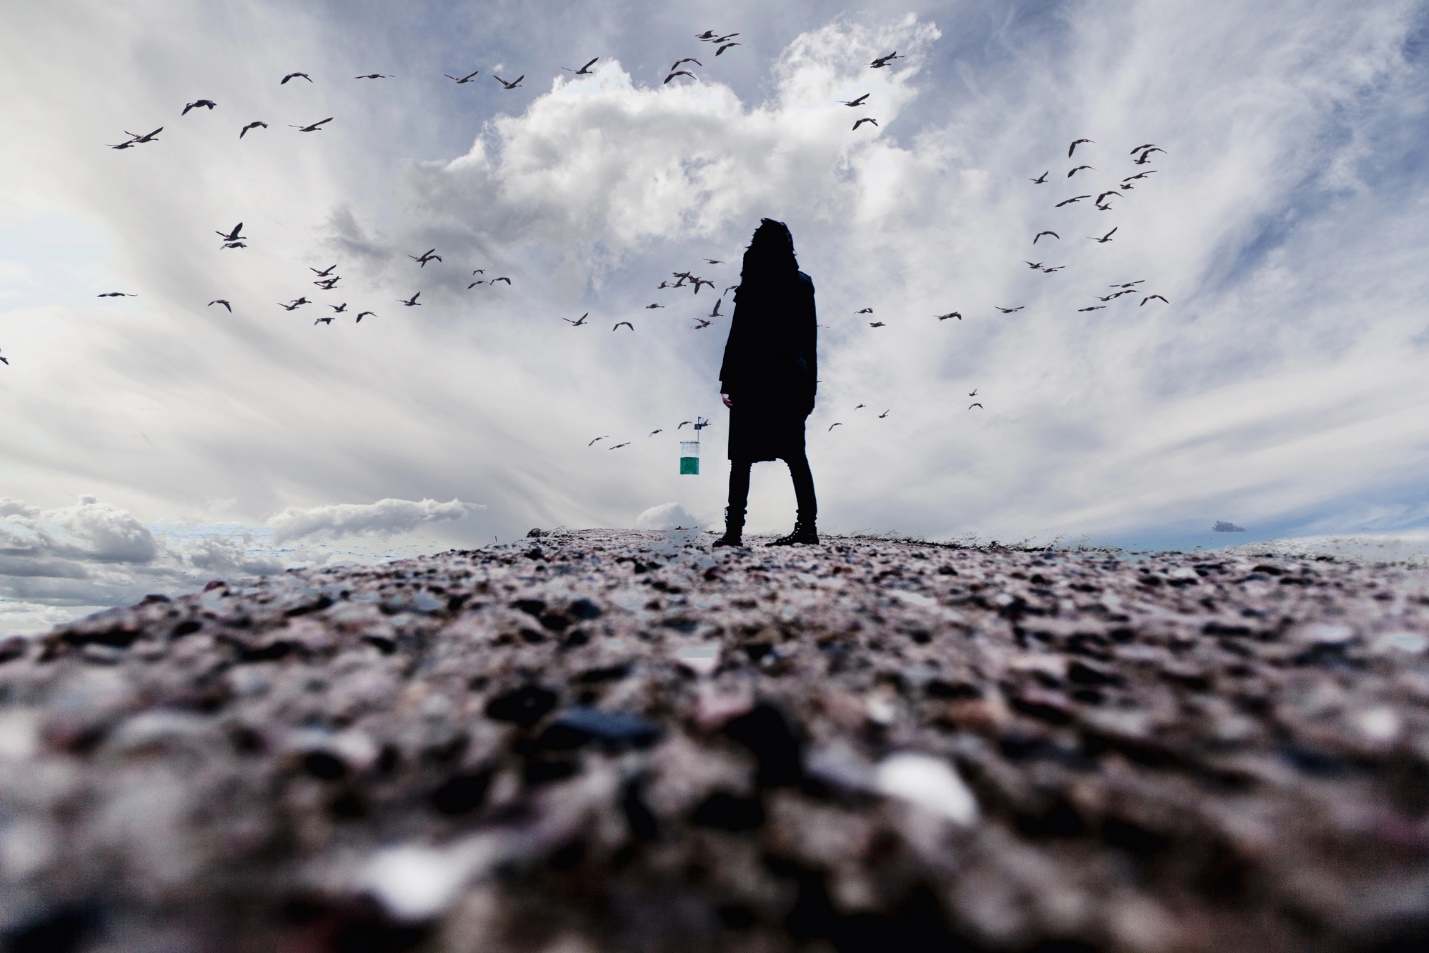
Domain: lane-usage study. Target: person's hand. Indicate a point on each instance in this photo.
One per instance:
(725, 398)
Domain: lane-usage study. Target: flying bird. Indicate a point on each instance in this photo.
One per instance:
(223, 302)
(1074, 145)
(374, 76)
(1041, 178)
(1128, 284)
(683, 422)
(876, 324)
(127, 144)
(327, 283)
(714, 261)
(700, 323)
(974, 404)
(864, 120)
(252, 125)
(707, 35)
(973, 392)
(855, 102)
(883, 61)
(324, 273)
(1149, 297)
(479, 281)
(425, 257)
(1075, 198)
(1145, 157)
(584, 69)
(654, 432)
(207, 103)
(285, 79)
(884, 414)
(576, 324)
(626, 323)
(649, 306)
(313, 127)
(511, 85)
(725, 47)
(146, 137)
(234, 245)
(500, 278)
(231, 236)
(1040, 234)
(619, 445)
(1149, 145)
(478, 271)
(1149, 151)
(287, 307)
(1095, 307)
(678, 72)
(412, 301)
(702, 281)
(1009, 310)
(1056, 268)
(464, 79)
(1035, 264)
(715, 313)
(115, 294)
(592, 443)
(864, 311)
(301, 300)
(1078, 169)
(832, 426)
(363, 314)
(1139, 175)
(860, 406)
(326, 320)
(688, 59)
(950, 314)
(338, 308)
(721, 39)
(1104, 239)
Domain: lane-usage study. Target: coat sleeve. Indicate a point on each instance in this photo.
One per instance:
(807, 336)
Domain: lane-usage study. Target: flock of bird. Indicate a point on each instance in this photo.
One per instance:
(327, 281)
(1142, 155)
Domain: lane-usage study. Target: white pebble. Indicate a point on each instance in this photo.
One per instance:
(930, 783)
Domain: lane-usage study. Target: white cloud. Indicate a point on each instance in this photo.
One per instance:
(666, 516)
(383, 518)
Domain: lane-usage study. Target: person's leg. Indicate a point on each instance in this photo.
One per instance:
(804, 531)
(738, 503)
(804, 489)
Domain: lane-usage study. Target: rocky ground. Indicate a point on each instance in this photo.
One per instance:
(626, 741)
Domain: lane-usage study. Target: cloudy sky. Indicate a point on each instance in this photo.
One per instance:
(150, 442)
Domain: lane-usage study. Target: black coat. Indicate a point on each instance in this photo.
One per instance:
(770, 369)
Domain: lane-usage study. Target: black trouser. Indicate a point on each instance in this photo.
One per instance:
(803, 489)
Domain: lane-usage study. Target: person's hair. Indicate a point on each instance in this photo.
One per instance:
(770, 255)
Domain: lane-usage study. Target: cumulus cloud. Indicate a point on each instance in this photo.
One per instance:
(77, 558)
(383, 518)
(666, 516)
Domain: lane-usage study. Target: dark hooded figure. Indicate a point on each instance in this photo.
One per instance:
(769, 377)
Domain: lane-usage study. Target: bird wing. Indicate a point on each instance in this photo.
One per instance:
(588, 65)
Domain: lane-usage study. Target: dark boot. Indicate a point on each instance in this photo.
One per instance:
(804, 532)
(733, 528)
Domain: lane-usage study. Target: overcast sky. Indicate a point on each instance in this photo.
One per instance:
(1283, 387)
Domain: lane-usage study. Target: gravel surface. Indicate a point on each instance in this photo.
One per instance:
(627, 741)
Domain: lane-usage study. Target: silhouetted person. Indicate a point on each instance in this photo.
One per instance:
(769, 377)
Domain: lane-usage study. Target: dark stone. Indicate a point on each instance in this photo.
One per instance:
(776, 742)
(523, 706)
(638, 816)
(532, 607)
(186, 627)
(606, 673)
(317, 605)
(324, 765)
(580, 724)
(584, 609)
(538, 771)
(727, 812)
(461, 793)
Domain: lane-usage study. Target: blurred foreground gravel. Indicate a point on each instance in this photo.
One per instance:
(624, 741)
